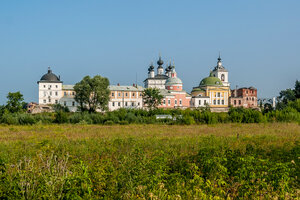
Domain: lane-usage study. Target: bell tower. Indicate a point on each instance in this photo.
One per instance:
(220, 72)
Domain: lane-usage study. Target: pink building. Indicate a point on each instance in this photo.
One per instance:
(174, 95)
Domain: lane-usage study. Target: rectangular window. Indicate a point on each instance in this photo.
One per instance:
(126, 104)
(56, 101)
(204, 102)
(56, 93)
(44, 86)
(180, 102)
(169, 101)
(50, 93)
(199, 102)
(218, 101)
(222, 101)
(164, 102)
(113, 103)
(132, 104)
(175, 101)
(65, 93)
(73, 103)
(215, 94)
(133, 94)
(219, 94)
(240, 102)
(126, 94)
(119, 104)
(119, 94)
(56, 86)
(49, 100)
(45, 101)
(112, 94)
(138, 103)
(73, 93)
(215, 102)
(45, 94)
(234, 102)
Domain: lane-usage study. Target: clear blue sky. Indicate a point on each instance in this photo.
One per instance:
(259, 41)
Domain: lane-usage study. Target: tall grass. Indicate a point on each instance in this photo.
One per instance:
(224, 161)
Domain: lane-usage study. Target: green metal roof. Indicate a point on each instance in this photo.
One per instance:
(211, 81)
(173, 81)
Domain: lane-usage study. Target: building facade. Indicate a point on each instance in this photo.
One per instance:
(173, 95)
(52, 91)
(157, 80)
(50, 88)
(125, 97)
(212, 91)
(244, 97)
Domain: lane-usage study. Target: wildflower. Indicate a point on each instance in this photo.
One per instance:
(161, 185)
(293, 162)
(151, 195)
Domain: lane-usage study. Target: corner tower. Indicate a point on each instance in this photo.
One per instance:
(50, 88)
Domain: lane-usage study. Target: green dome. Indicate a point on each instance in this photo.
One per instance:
(173, 81)
(211, 81)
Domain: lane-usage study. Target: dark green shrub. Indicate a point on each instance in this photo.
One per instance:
(97, 118)
(223, 117)
(130, 117)
(10, 119)
(45, 118)
(26, 119)
(123, 122)
(109, 122)
(75, 118)
(61, 117)
(187, 120)
(210, 118)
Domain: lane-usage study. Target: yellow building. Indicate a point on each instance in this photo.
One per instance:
(213, 92)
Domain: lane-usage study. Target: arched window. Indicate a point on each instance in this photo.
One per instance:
(222, 77)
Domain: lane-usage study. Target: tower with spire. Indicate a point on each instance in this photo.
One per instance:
(220, 72)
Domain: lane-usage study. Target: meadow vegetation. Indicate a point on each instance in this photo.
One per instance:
(223, 161)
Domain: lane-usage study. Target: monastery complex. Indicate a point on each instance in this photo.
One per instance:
(213, 91)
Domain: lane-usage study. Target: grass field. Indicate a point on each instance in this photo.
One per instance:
(224, 161)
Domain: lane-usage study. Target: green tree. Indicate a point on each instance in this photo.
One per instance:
(297, 89)
(92, 93)
(152, 98)
(15, 102)
(288, 95)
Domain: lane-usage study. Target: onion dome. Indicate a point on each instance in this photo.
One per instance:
(169, 68)
(160, 62)
(173, 81)
(50, 77)
(151, 67)
(210, 81)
